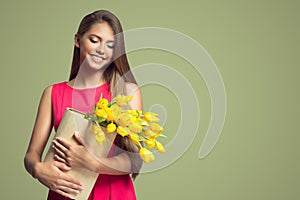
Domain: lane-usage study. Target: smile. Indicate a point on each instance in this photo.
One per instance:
(97, 59)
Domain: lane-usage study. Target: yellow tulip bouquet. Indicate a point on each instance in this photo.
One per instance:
(140, 128)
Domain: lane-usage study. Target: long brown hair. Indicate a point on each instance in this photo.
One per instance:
(117, 74)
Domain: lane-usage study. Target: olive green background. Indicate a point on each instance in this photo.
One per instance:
(255, 45)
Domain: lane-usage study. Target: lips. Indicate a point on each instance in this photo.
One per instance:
(97, 59)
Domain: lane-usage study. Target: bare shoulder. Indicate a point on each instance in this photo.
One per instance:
(136, 102)
(47, 92)
(48, 89)
(46, 96)
(132, 88)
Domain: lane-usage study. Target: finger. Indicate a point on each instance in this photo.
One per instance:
(62, 166)
(60, 146)
(69, 187)
(69, 181)
(59, 159)
(72, 182)
(77, 137)
(66, 192)
(59, 149)
(63, 193)
(63, 142)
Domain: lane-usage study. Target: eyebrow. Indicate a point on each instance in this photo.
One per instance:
(101, 38)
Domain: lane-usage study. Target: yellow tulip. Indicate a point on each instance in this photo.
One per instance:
(156, 128)
(146, 155)
(95, 129)
(135, 138)
(137, 120)
(134, 112)
(160, 147)
(150, 143)
(111, 128)
(149, 134)
(135, 128)
(124, 119)
(110, 116)
(100, 138)
(101, 113)
(102, 103)
(143, 122)
(129, 98)
(122, 100)
(116, 110)
(134, 119)
(151, 117)
(123, 131)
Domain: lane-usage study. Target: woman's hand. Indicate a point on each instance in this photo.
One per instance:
(73, 155)
(77, 156)
(52, 174)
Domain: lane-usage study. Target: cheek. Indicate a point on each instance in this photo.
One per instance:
(85, 49)
(89, 47)
(110, 53)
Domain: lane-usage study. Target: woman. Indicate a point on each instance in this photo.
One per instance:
(99, 63)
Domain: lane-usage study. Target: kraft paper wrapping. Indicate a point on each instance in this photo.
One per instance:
(72, 121)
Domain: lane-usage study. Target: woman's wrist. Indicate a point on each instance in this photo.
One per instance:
(95, 166)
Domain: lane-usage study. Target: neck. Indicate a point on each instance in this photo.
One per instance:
(88, 78)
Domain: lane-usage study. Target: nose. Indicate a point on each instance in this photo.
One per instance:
(100, 48)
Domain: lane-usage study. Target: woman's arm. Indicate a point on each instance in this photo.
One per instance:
(41, 132)
(51, 174)
(78, 156)
(121, 164)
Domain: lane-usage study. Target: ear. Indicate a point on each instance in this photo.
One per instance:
(76, 41)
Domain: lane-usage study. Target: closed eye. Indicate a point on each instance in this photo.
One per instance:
(94, 40)
(110, 45)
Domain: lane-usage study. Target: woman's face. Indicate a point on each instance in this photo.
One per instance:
(96, 45)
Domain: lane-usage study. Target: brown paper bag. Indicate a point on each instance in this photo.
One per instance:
(72, 121)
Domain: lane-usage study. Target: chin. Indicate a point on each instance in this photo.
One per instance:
(96, 66)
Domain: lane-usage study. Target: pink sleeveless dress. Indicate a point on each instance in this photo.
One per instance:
(107, 187)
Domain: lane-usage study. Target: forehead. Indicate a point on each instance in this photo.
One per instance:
(103, 30)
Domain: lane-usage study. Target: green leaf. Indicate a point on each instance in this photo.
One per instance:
(163, 135)
(87, 116)
(104, 123)
(101, 119)
(100, 97)
(144, 123)
(94, 116)
(142, 138)
(113, 101)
